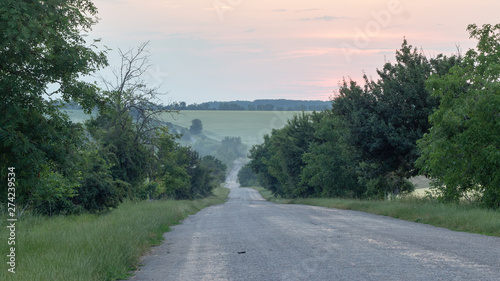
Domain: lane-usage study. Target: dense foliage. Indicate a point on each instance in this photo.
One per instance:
(40, 45)
(256, 105)
(386, 117)
(365, 146)
(438, 117)
(462, 150)
(125, 151)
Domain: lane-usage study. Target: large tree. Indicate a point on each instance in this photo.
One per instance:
(462, 150)
(130, 124)
(260, 155)
(43, 54)
(279, 160)
(387, 116)
(330, 162)
(196, 127)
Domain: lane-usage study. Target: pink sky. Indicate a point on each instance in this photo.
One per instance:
(204, 50)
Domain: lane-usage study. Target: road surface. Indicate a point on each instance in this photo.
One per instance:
(248, 238)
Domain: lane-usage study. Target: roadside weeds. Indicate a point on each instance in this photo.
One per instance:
(95, 247)
(460, 217)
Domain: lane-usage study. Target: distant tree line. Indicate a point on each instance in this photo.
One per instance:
(438, 117)
(257, 105)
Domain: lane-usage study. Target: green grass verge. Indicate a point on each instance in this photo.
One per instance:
(94, 247)
(460, 217)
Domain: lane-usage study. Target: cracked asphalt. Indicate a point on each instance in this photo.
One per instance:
(248, 238)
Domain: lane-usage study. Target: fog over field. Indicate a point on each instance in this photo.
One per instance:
(250, 126)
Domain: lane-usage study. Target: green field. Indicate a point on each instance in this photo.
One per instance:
(251, 126)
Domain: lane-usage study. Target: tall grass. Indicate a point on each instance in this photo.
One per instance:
(462, 217)
(94, 247)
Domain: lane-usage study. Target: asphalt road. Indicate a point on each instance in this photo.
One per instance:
(248, 238)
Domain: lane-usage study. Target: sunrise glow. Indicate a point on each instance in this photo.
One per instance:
(240, 49)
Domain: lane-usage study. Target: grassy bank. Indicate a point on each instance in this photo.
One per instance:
(90, 247)
(461, 217)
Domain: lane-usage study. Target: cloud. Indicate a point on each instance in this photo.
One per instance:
(293, 54)
(306, 10)
(323, 18)
(279, 10)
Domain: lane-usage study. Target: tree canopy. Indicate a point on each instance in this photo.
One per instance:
(124, 151)
(42, 48)
(196, 127)
(462, 150)
(365, 146)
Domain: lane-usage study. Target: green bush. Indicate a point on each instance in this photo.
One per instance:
(461, 151)
(53, 193)
(97, 193)
(154, 190)
(247, 177)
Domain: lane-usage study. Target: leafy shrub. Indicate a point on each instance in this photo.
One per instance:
(97, 190)
(97, 193)
(247, 177)
(154, 190)
(52, 195)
